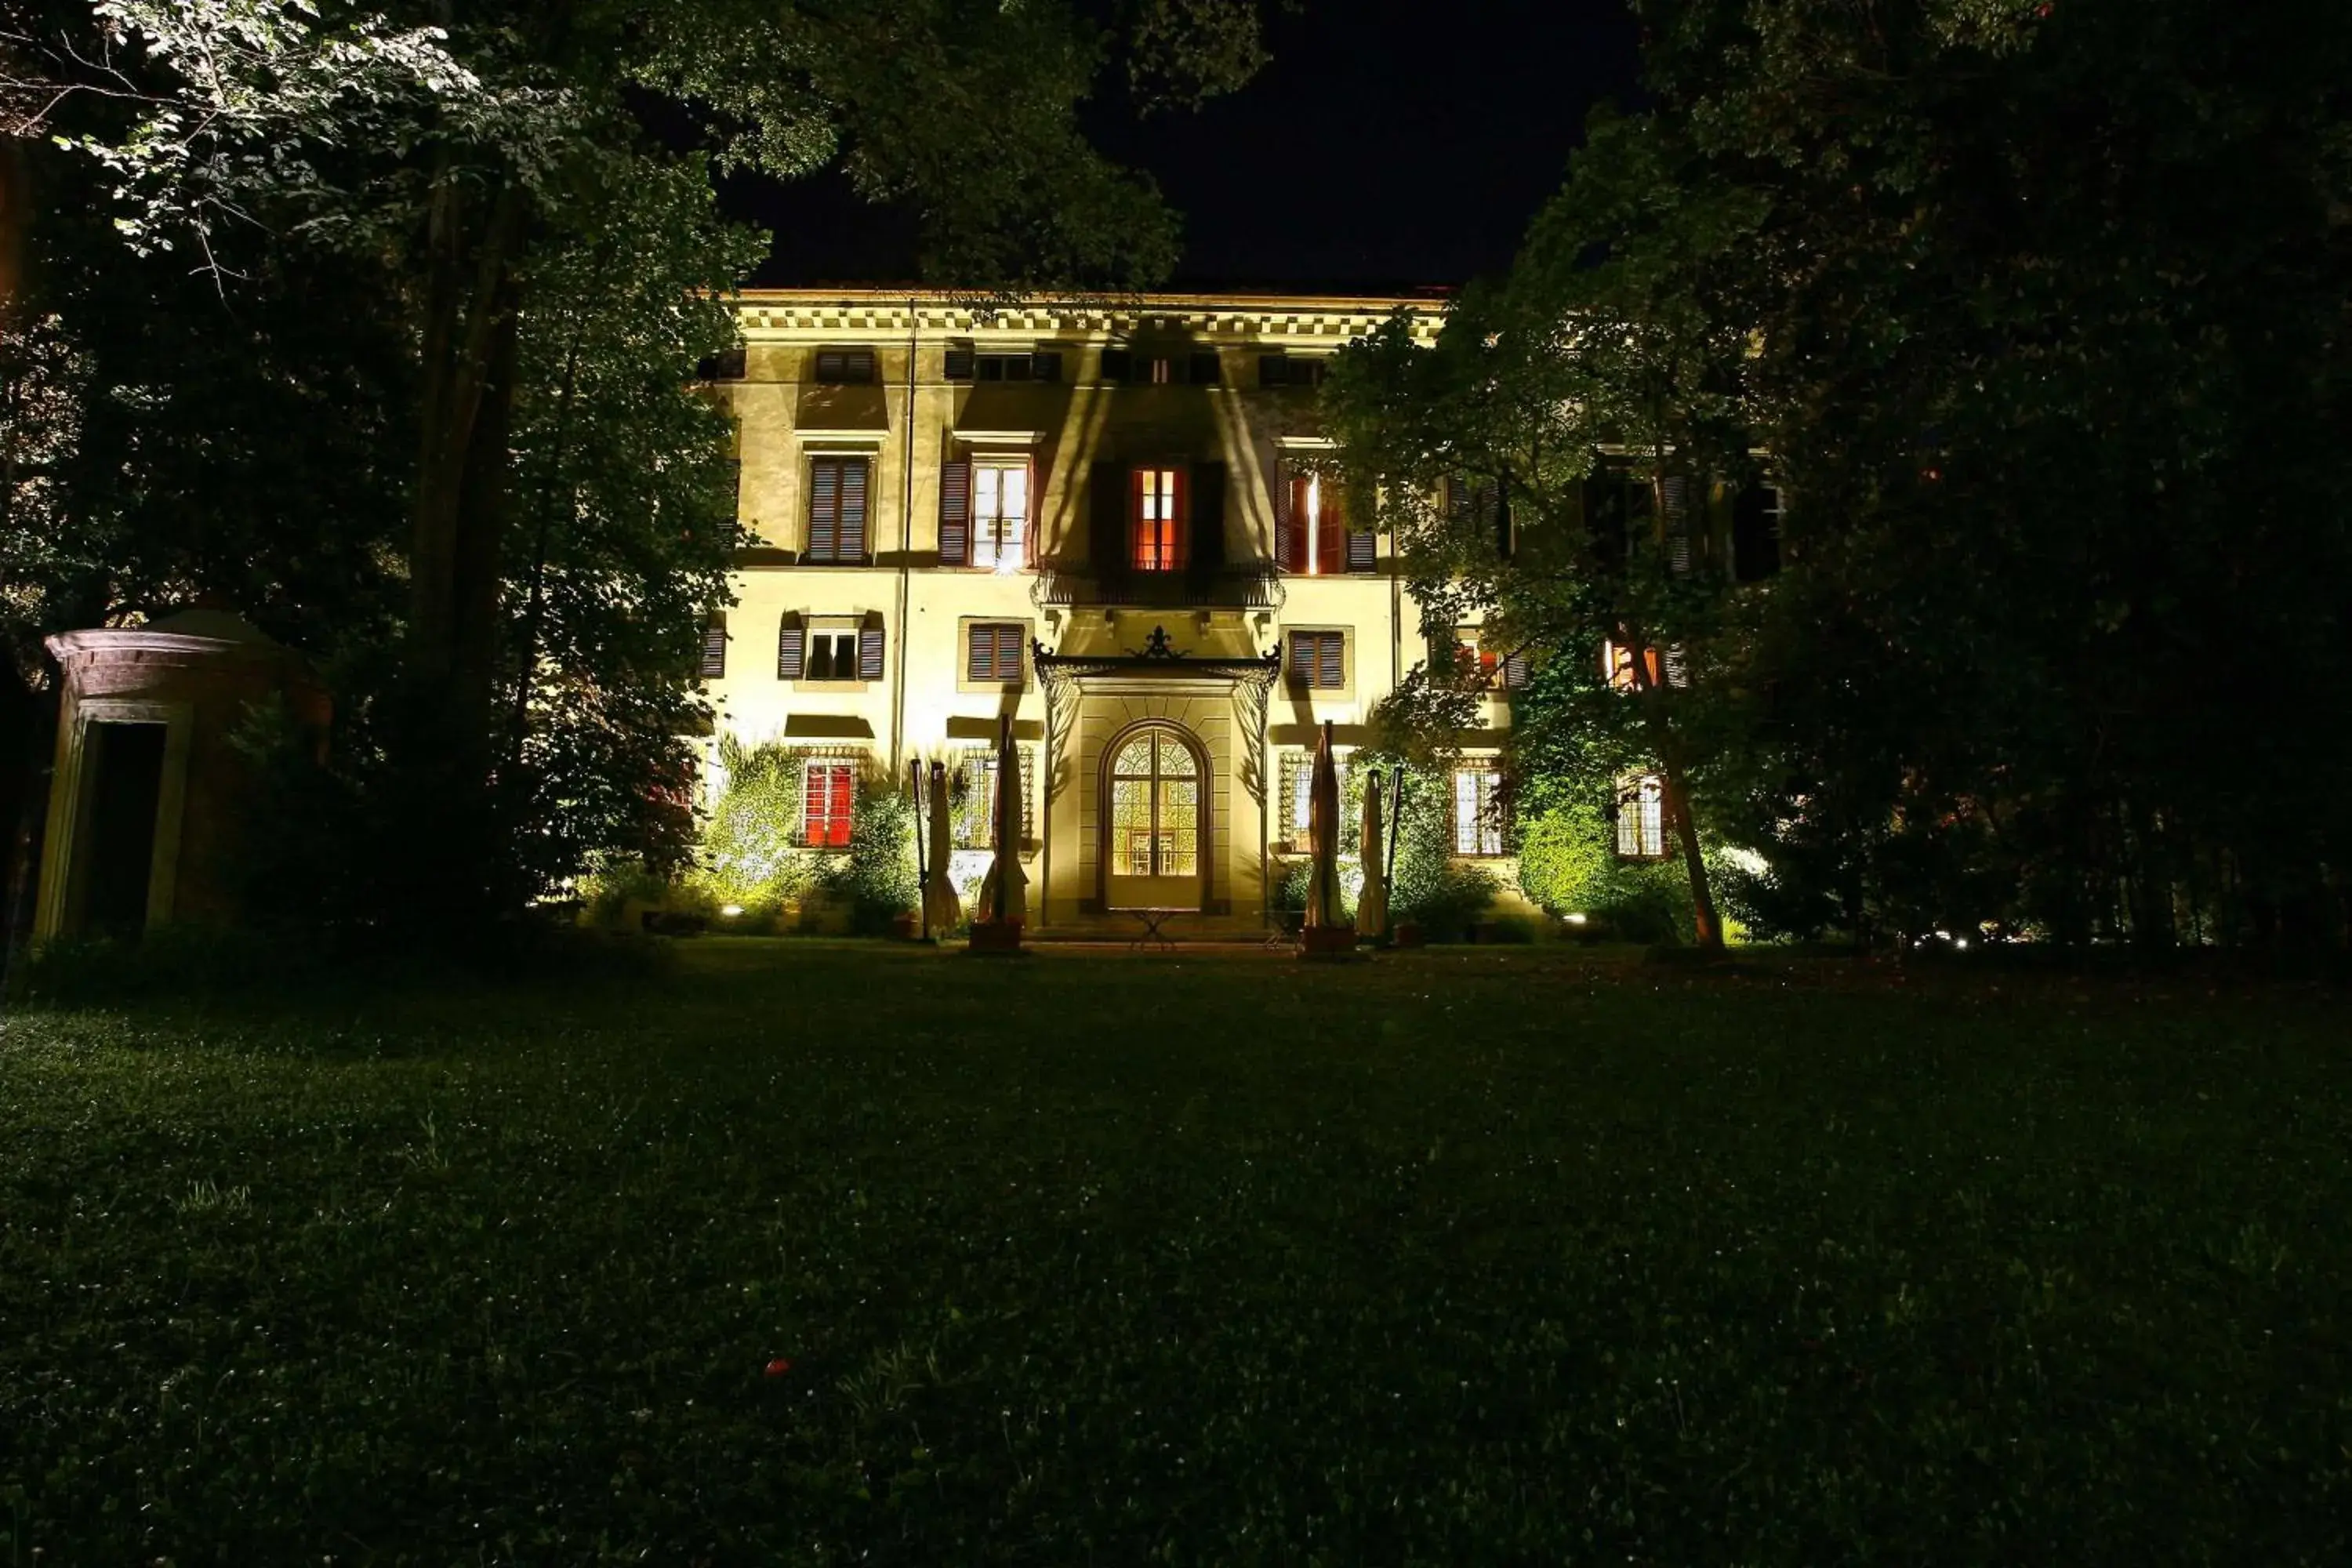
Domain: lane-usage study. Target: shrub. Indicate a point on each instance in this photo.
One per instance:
(877, 878)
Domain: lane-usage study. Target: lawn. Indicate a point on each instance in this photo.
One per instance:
(809, 1253)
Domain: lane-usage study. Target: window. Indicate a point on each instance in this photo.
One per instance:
(845, 367)
(1617, 667)
(828, 800)
(832, 656)
(1317, 660)
(1496, 670)
(1000, 512)
(964, 364)
(1158, 367)
(1279, 369)
(1756, 533)
(836, 517)
(1477, 812)
(974, 794)
(1310, 529)
(727, 364)
(993, 652)
(714, 646)
(1298, 802)
(1158, 520)
(1155, 808)
(1642, 818)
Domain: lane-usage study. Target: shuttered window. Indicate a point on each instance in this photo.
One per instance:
(1496, 669)
(714, 647)
(836, 516)
(727, 364)
(1317, 660)
(828, 801)
(1312, 531)
(1157, 519)
(845, 367)
(1000, 513)
(993, 652)
(1279, 368)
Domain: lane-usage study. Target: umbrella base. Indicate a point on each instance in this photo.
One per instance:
(1327, 943)
(995, 936)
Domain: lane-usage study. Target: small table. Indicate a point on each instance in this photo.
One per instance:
(1152, 920)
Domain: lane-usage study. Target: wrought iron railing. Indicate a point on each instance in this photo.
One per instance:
(1225, 587)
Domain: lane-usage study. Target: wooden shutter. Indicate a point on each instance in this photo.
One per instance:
(869, 647)
(1008, 653)
(1106, 508)
(1201, 533)
(1204, 369)
(1331, 531)
(1363, 550)
(958, 364)
(955, 512)
(1285, 526)
(1302, 658)
(1330, 660)
(714, 647)
(791, 647)
(824, 508)
(1674, 492)
(854, 472)
(1515, 671)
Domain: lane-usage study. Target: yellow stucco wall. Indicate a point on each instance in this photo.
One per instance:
(911, 421)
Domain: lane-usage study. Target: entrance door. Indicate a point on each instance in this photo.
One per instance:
(1155, 826)
(119, 842)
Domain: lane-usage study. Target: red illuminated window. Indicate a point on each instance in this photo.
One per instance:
(1158, 520)
(828, 795)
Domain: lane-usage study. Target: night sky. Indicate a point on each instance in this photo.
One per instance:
(1425, 136)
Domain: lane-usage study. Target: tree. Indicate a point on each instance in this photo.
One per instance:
(1550, 466)
(452, 150)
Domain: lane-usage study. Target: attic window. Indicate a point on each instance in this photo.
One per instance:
(845, 367)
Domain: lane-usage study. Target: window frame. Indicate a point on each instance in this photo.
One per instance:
(1173, 553)
(1645, 793)
(836, 833)
(1001, 463)
(973, 822)
(1314, 682)
(1491, 824)
(836, 556)
(853, 367)
(968, 631)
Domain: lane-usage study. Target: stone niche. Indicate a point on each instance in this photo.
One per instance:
(145, 804)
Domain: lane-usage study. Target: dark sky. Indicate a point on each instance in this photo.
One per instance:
(1389, 145)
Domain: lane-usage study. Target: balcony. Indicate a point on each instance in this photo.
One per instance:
(1251, 587)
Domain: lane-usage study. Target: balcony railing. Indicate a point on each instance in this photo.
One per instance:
(1224, 588)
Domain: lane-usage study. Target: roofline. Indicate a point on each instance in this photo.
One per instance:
(1436, 298)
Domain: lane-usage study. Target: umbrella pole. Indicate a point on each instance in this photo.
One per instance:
(922, 859)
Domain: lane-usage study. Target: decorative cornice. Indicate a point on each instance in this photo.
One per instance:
(776, 315)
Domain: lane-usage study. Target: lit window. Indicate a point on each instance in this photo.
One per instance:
(1642, 818)
(1505, 672)
(828, 798)
(1155, 808)
(1158, 520)
(1000, 512)
(1318, 660)
(1477, 812)
(993, 652)
(1315, 540)
(1617, 667)
(975, 804)
(1298, 802)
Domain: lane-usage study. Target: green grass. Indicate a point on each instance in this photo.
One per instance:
(1450, 1259)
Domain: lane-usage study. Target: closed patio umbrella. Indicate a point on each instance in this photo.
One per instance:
(1372, 903)
(1323, 827)
(1005, 897)
(942, 908)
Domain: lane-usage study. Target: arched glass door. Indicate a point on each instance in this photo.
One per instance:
(1152, 851)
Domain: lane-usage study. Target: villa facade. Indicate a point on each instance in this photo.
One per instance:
(1105, 523)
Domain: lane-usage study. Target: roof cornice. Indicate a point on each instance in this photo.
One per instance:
(791, 312)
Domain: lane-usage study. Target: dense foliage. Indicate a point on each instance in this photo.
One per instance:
(378, 325)
(1458, 1259)
(2038, 312)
